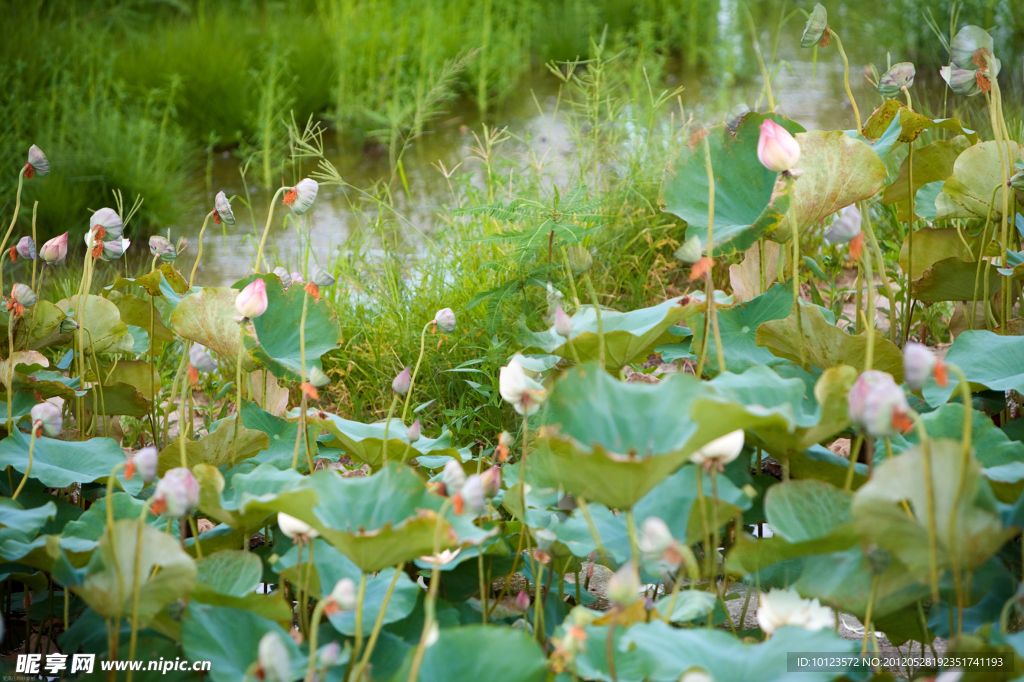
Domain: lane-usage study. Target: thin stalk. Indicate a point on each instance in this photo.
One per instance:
(846, 77)
(318, 612)
(35, 207)
(199, 255)
(594, 534)
(387, 427)
(712, 312)
(867, 614)
(266, 229)
(11, 321)
(854, 453)
(796, 267)
(28, 469)
(886, 287)
(360, 600)
(415, 371)
(706, 528)
(238, 389)
(136, 584)
(929, 489)
(429, 603)
(14, 220)
(377, 625)
(301, 435)
(965, 461)
(597, 312)
(869, 322)
(910, 241)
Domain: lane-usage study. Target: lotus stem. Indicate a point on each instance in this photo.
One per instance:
(961, 488)
(35, 207)
(522, 469)
(429, 603)
(416, 370)
(712, 311)
(318, 612)
(791, 182)
(11, 321)
(706, 527)
(238, 388)
(585, 510)
(377, 625)
(854, 453)
(483, 585)
(195, 535)
(714, 526)
(869, 321)
(266, 229)
(846, 77)
(28, 469)
(387, 427)
(995, 108)
(886, 287)
(600, 326)
(360, 599)
(304, 594)
(910, 241)
(538, 603)
(14, 220)
(301, 436)
(199, 255)
(929, 490)
(867, 616)
(568, 275)
(136, 584)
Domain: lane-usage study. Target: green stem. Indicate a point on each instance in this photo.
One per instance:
(846, 77)
(867, 615)
(301, 436)
(886, 287)
(199, 255)
(14, 220)
(28, 469)
(929, 490)
(597, 312)
(706, 527)
(360, 599)
(238, 389)
(869, 323)
(318, 612)
(712, 312)
(854, 453)
(266, 230)
(377, 625)
(387, 427)
(581, 502)
(415, 371)
(965, 461)
(796, 268)
(429, 603)
(910, 241)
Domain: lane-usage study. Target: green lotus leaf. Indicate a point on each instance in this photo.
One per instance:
(281, 435)
(932, 163)
(365, 442)
(139, 374)
(106, 332)
(58, 463)
(801, 511)
(152, 281)
(229, 638)
(116, 398)
(88, 528)
(216, 448)
(826, 345)
(880, 518)
(612, 442)
(135, 311)
(230, 571)
(690, 605)
(628, 337)
(744, 188)
(208, 317)
(911, 124)
(934, 244)
(658, 652)
(988, 360)
(253, 497)
(481, 652)
(816, 26)
(109, 583)
(276, 345)
(952, 279)
(975, 189)
(750, 555)
(23, 524)
(40, 328)
(738, 329)
(838, 171)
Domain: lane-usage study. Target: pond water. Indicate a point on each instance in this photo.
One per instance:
(812, 94)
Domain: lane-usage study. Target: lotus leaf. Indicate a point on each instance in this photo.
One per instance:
(209, 318)
(253, 497)
(106, 332)
(932, 163)
(987, 359)
(911, 124)
(154, 280)
(229, 639)
(365, 442)
(217, 448)
(483, 652)
(975, 189)
(58, 464)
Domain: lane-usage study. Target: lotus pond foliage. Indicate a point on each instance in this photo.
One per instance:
(688, 489)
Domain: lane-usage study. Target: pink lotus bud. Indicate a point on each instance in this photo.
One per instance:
(878, 406)
(55, 250)
(273, 660)
(522, 600)
(37, 162)
(845, 227)
(145, 463)
(454, 477)
(109, 220)
(48, 417)
(445, 320)
(22, 294)
(563, 323)
(301, 196)
(162, 248)
(414, 431)
(252, 300)
(222, 212)
(329, 656)
(177, 494)
(344, 594)
(201, 359)
(26, 248)
(473, 498)
(401, 383)
(545, 538)
(624, 586)
(492, 481)
(284, 276)
(919, 363)
(776, 148)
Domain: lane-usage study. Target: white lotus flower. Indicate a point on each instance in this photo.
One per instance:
(294, 528)
(787, 607)
(720, 451)
(519, 390)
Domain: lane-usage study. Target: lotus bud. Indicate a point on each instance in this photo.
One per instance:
(321, 277)
(273, 660)
(816, 30)
(492, 482)
(624, 586)
(961, 81)
(329, 656)
(22, 294)
(26, 248)
(720, 451)
(970, 46)
(786, 607)
(317, 377)
(522, 392)
(146, 461)
(162, 248)
(55, 250)
(222, 212)
(655, 536)
(109, 220)
(453, 477)
(777, 149)
(344, 594)
(690, 251)
(68, 326)
(878, 406)
(301, 196)
(295, 528)
(284, 276)
(177, 493)
(545, 539)
(414, 432)
(697, 676)
(297, 278)
(201, 359)
(400, 384)
(473, 498)
(115, 248)
(579, 258)
(445, 320)
(846, 227)
(919, 363)
(522, 600)
(563, 323)
(252, 300)
(1016, 181)
(898, 78)
(37, 162)
(47, 416)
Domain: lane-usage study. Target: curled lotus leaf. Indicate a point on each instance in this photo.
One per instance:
(975, 189)
(816, 27)
(893, 116)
